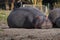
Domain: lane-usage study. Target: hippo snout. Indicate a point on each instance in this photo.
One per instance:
(46, 24)
(43, 23)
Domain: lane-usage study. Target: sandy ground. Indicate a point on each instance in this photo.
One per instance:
(29, 34)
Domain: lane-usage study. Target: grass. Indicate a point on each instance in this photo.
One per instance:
(3, 16)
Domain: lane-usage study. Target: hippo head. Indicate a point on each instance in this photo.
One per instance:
(43, 23)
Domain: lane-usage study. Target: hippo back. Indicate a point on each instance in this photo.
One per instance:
(18, 16)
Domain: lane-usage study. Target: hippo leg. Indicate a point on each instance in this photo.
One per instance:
(27, 24)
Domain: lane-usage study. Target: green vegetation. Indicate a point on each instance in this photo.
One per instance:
(3, 17)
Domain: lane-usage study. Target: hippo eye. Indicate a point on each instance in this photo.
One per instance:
(41, 17)
(38, 17)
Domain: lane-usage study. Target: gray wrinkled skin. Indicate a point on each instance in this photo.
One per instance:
(54, 16)
(25, 17)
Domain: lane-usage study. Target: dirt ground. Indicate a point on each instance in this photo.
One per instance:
(29, 34)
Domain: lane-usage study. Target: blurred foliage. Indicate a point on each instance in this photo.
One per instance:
(3, 17)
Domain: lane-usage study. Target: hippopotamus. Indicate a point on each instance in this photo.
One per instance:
(54, 16)
(28, 17)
